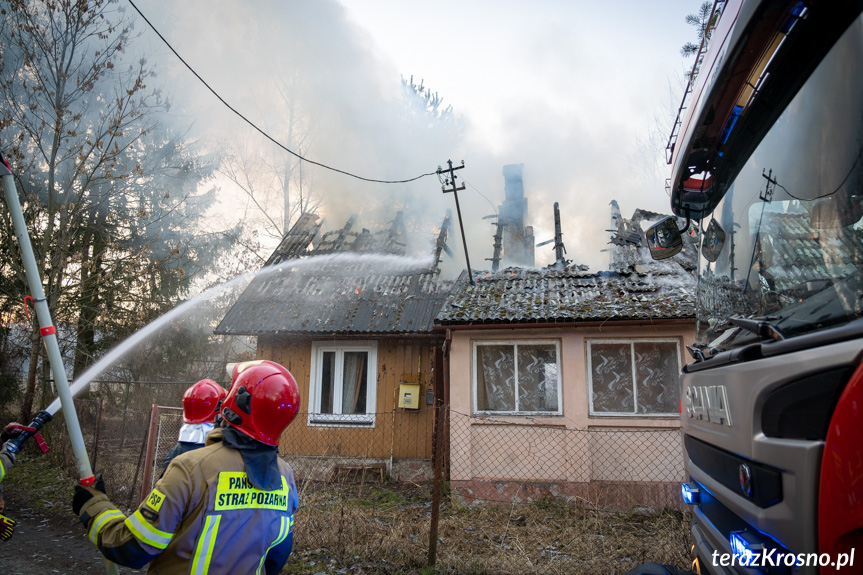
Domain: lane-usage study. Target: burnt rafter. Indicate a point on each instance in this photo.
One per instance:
(498, 244)
(298, 241)
(306, 239)
(440, 242)
(345, 294)
(345, 239)
(560, 262)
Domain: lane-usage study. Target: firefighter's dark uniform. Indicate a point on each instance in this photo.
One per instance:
(223, 509)
(179, 449)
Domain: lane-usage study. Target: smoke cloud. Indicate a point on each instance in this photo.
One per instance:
(314, 62)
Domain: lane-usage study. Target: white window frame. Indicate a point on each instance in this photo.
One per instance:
(515, 343)
(631, 341)
(364, 420)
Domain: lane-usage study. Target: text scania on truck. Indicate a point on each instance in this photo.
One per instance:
(768, 170)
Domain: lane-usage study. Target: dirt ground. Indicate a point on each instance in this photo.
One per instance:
(47, 542)
(48, 538)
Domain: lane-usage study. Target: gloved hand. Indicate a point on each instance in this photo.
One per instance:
(85, 494)
(13, 430)
(7, 526)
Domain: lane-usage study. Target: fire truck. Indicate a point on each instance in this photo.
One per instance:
(767, 174)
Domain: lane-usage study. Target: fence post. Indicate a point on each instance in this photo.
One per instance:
(96, 435)
(437, 454)
(144, 443)
(151, 451)
(125, 407)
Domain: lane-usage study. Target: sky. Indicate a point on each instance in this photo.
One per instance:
(581, 93)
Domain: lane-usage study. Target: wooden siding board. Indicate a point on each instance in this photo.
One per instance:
(412, 430)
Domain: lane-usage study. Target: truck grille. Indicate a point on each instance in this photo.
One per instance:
(765, 483)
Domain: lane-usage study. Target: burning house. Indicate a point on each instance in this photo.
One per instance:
(564, 382)
(351, 317)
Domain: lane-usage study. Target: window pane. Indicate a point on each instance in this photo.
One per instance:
(537, 378)
(611, 365)
(657, 370)
(495, 374)
(328, 371)
(354, 384)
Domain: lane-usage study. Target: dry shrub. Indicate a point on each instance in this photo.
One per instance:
(377, 528)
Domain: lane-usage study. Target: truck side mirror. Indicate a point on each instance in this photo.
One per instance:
(835, 211)
(664, 239)
(714, 239)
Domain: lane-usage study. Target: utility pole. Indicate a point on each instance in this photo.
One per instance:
(450, 181)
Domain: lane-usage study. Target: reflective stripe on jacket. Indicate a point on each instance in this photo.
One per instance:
(6, 463)
(202, 517)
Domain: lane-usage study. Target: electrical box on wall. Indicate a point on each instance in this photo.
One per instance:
(409, 395)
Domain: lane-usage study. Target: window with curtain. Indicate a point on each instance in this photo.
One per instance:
(634, 377)
(343, 383)
(520, 377)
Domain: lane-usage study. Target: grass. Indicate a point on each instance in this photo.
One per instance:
(37, 479)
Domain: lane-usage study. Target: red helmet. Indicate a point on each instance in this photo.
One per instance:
(201, 401)
(263, 400)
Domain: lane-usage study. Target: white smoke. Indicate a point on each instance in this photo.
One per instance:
(575, 131)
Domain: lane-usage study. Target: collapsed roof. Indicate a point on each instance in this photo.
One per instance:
(635, 288)
(342, 282)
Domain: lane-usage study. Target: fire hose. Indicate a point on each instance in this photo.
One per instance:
(49, 338)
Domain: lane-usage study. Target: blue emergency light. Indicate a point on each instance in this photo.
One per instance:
(691, 494)
(745, 546)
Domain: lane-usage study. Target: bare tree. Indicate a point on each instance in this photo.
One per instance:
(275, 187)
(109, 195)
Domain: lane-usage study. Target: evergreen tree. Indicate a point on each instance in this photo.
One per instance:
(701, 22)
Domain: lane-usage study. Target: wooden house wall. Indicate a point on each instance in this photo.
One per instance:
(400, 433)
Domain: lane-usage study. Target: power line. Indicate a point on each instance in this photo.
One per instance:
(482, 194)
(262, 132)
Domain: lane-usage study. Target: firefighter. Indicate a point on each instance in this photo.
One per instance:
(225, 508)
(201, 403)
(7, 458)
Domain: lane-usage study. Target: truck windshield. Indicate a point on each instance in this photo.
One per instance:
(793, 249)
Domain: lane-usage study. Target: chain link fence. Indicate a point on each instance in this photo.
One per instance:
(115, 421)
(513, 498)
(485, 461)
(496, 460)
(165, 424)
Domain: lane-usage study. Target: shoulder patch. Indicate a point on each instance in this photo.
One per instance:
(155, 500)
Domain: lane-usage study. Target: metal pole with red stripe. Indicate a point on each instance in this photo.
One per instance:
(46, 326)
(49, 338)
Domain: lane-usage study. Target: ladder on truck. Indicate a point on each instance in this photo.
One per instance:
(699, 58)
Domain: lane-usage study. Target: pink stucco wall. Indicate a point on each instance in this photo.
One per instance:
(574, 446)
